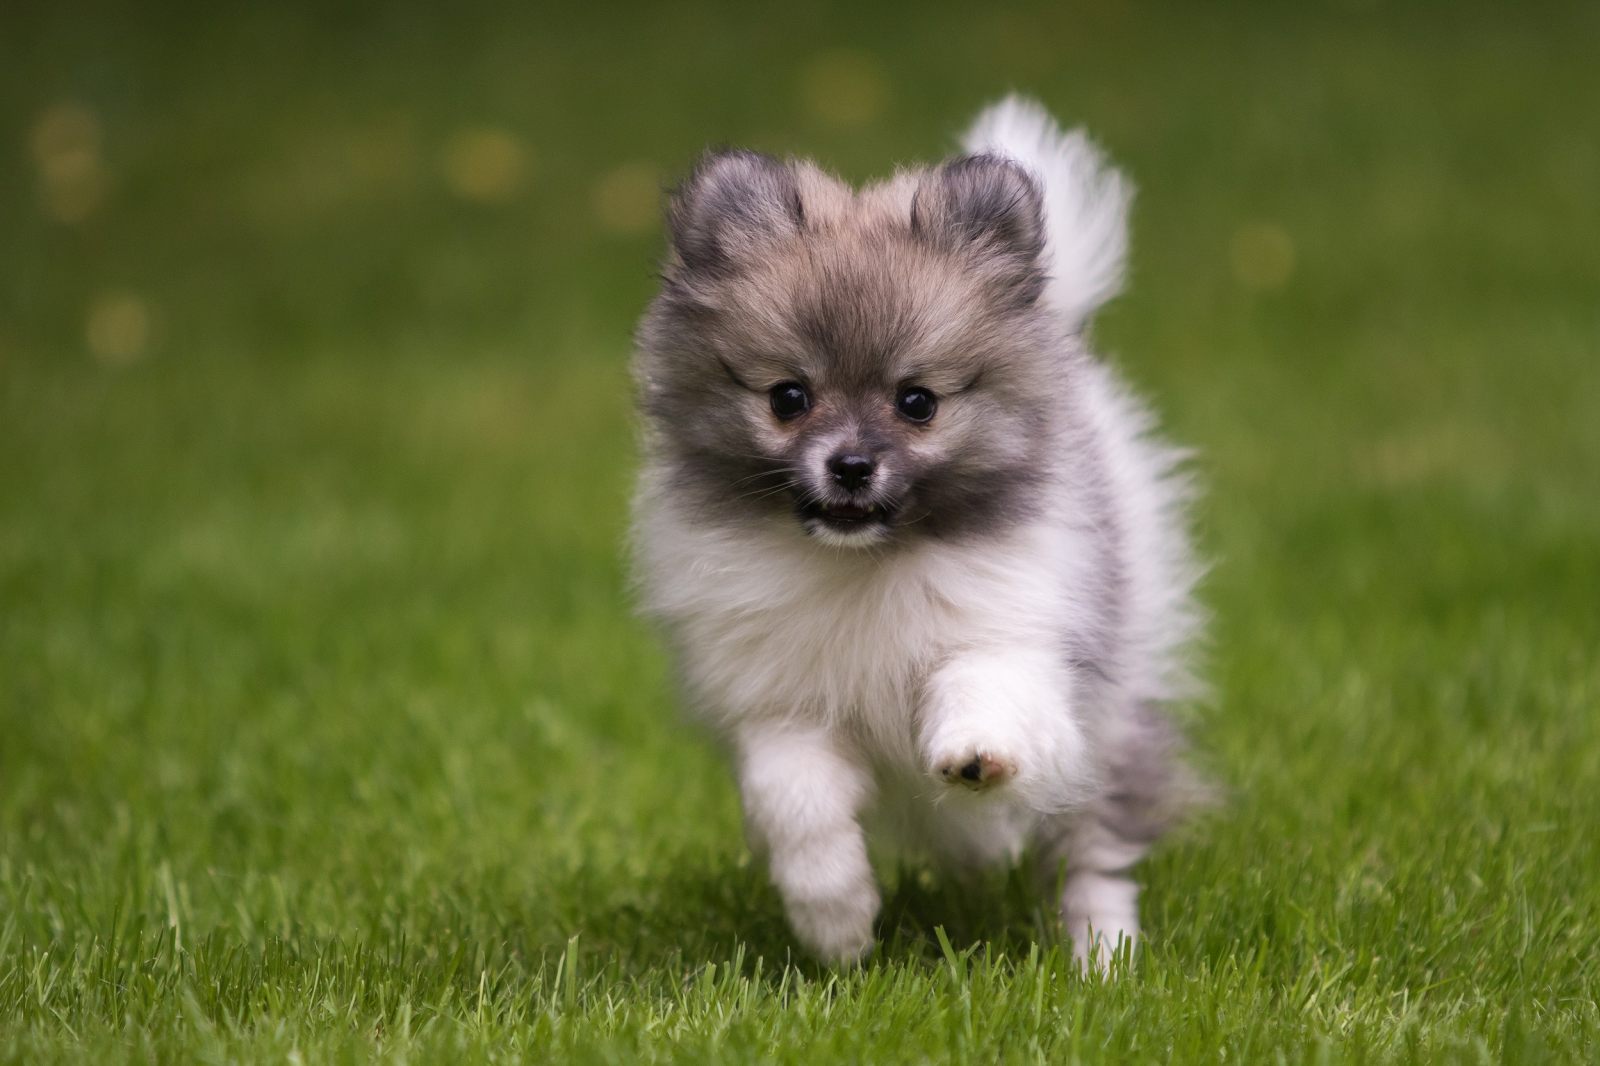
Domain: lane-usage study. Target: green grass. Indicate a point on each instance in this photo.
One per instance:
(325, 730)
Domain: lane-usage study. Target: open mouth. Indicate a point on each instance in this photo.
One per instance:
(846, 517)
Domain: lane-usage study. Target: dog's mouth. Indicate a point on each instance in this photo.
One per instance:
(846, 517)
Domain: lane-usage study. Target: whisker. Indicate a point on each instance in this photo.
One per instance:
(761, 492)
(764, 473)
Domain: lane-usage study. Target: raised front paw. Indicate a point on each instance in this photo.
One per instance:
(976, 768)
(999, 723)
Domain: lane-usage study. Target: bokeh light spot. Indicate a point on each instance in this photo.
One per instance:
(1262, 254)
(485, 165)
(66, 151)
(627, 200)
(844, 88)
(118, 328)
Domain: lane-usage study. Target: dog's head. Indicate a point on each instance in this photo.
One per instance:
(871, 365)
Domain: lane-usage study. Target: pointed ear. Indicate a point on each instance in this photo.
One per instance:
(731, 202)
(986, 201)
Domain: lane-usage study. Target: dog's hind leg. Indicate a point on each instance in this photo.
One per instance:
(1146, 789)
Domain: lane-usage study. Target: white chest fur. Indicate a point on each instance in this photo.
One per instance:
(772, 624)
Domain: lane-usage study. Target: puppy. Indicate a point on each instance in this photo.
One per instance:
(920, 559)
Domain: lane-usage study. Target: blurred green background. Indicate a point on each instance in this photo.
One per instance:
(324, 724)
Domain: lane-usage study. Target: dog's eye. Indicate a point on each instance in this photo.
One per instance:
(790, 400)
(916, 403)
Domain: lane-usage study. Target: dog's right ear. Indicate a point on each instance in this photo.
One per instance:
(730, 204)
(992, 205)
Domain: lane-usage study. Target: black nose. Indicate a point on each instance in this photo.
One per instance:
(851, 470)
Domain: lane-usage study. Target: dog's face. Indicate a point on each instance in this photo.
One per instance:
(871, 366)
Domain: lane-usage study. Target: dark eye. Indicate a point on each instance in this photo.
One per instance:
(916, 403)
(790, 400)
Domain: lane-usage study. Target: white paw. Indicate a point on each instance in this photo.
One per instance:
(1101, 913)
(1001, 724)
(837, 930)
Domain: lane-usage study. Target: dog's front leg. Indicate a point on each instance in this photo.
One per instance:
(802, 796)
(1000, 721)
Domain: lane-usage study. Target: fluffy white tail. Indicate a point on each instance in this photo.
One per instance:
(1085, 202)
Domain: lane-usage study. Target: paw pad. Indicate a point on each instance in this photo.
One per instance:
(977, 771)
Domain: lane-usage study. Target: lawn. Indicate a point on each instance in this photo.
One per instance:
(327, 733)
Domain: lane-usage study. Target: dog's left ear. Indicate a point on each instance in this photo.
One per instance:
(987, 203)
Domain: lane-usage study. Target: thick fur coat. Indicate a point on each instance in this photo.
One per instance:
(918, 554)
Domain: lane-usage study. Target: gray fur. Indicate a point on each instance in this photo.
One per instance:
(926, 279)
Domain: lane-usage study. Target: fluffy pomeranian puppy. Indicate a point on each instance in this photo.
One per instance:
(920, 559)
